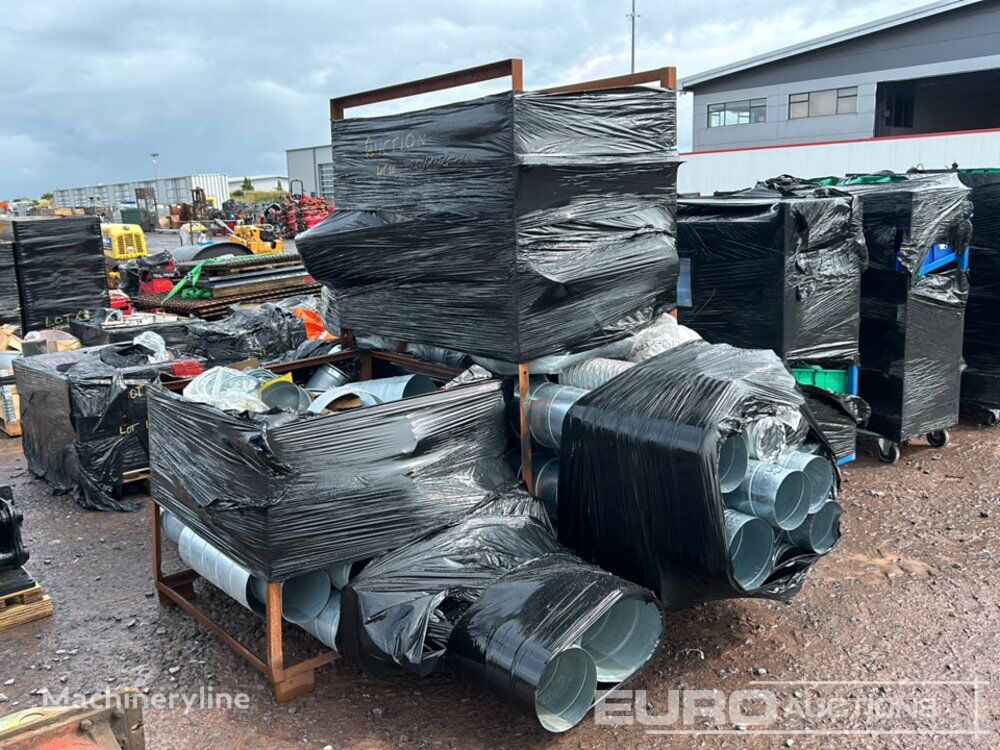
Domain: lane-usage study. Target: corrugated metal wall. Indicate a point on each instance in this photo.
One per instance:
(168, 190)
(707, 171)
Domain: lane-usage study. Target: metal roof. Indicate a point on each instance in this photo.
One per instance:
(916, 14)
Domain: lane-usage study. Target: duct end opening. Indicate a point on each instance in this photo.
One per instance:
(791, 505)
(751, 549)
(624, 638)
(734, 457)
(566, 690)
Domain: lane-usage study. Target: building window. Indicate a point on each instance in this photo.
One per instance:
(823, 103)
(746, 112)
(901, 111)
(326, 180)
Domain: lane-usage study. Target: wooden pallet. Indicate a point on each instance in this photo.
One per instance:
(10, 429)
(24, 606)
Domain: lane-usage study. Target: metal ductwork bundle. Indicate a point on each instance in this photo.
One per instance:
(663, 452)
(593, 373)
(496, 598)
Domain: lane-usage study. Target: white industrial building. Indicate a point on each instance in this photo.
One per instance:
(260, 182)
(168, 190)
(920, 88)
(311, 170)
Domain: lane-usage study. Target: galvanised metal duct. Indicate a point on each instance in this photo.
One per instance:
(820, 531)
(302, 597)
(340, 574)
(819, 475)
(734, 456)
(548, 405)
(624, 638)
(751, 548)
(326, 377)
(547, 485)
(773, 493)
(398, 387)
(766, 437)
(324, 626)
(593, 373)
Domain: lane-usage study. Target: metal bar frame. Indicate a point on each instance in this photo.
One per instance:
(290, 681)
(512, 67)
(665, 77)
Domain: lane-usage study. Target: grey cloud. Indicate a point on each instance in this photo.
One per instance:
(90, 88)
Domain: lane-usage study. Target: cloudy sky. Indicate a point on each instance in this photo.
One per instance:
(91, 88)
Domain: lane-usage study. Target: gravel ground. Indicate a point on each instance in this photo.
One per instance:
(907, 596)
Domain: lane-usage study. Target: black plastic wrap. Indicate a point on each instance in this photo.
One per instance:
(638, 481)
(10, 305)
(981, 379)
(911, 350)
(84, 422)
(905, 219)
(175, 334)
(60, 268)
(265, 333)
(399, 612)
(511, 226)
(838, 416)
(775, 267)
(283, 494)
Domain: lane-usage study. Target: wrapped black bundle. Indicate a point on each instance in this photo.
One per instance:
(175, 334)
(838, 416)
(775, 267)
(60, 268)
(906, 216)
(511, 226)
(911, 350)
(10, 305)
(495, 597)
(981, 379)
(284, 494)
(84, 420)
(639, 481)
(399, 612)
(265, 333)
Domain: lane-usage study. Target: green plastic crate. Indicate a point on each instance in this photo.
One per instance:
(837, 381)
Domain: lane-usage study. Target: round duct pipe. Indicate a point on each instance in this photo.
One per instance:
(733, 458)
(820, 531)
(593, 373)
(284, 394)
(302, 597)
(624, 638)
(819, 475)
(220, 570)
(766, 437)
(548, 405)
(340, 574)
(324, 626)
(328, 399)
(751, 548)
(565, 690)
(326, 377)
(397, 388)
(547, 485)
(773, 493)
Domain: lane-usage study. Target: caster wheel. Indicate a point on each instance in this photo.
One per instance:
(887, 453)
(939, 438)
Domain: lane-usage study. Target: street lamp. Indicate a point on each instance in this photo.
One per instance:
(154, 156)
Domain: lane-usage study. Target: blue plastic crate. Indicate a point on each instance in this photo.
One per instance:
(941, 256)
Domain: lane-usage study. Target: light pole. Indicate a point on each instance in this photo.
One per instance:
(632, 16)
(154, 156)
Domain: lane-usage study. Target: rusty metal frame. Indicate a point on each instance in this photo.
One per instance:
(178, 588)
(665, 77)
(512, 67)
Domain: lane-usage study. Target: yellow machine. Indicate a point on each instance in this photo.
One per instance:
(254, 237)
(123, 242)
